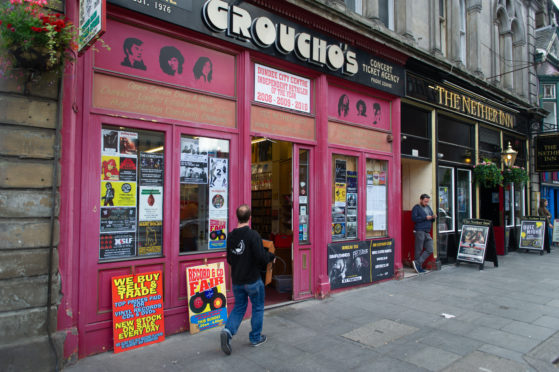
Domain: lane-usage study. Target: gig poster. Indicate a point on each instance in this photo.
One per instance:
(349, 264)
(128, 166)
(151, 169)
(128, 142)
(110, 166)
(340, 194)
(218, 203)
(110, 141)
(473, 241)
(351, 182)
(118, 219)
(340, 175)
(117, 245)
(193, 164)
(150, 238)
(338, 230)
(219, 169)
(532, 234)
(207, 304)
(218, 233)
(118, 194)
(138, 318)
(150, 206)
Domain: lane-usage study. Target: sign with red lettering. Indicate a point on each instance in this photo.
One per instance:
(281, 89)
(137, 310)
(206, 296)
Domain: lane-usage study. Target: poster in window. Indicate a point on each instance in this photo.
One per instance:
(473, 240)
(151, 169)
(303, 232)
(351, 182)
(461, 192)
(190, 146)
(110, 141)
(218, 203)
(118, 219)
(218, 233)
(118, 194)
(338, 230)
(128, 142)
(138, 318)
(207, 302)
(128, 168)
(110, 168)
(382, 178)
(351, 200)
(340, 194)
(302, 210)
(443, 198)
(117, 245)
(338, 214)
(340, 175)
(150, 206)
(351, 228)
(150, 238)
(219, 170)
(193, 164)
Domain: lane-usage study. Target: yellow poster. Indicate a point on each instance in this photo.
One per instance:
(118, 194)
(340, 193)
(110, 166)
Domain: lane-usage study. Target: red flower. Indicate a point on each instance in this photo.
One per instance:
(9, 25)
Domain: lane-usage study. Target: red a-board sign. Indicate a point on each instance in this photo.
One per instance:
(137, 310)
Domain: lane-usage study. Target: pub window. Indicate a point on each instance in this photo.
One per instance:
(132, 180)
(446, 199)
(344, 197)
(456, 140)
(549, 91)
(377, 174)
(489, 145)
(416, 133)
(204, 194)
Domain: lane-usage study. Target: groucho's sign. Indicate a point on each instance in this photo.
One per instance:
(257, 29)
(457, 101)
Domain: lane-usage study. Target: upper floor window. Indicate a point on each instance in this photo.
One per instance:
(355, 5)
(386, 13)
(442, 25)
(549, 91)
(462, 31)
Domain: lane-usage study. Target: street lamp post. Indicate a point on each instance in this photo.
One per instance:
(509, 156)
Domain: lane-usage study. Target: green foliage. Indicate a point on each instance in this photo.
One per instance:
(487, 174)
(516, 175)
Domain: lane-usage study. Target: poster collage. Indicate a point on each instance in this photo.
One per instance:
(376, 200)
(197, 167)
(344, 210)
(131, 201)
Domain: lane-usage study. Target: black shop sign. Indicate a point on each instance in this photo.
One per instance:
(382, 259)
(547, 153)
(251, 27)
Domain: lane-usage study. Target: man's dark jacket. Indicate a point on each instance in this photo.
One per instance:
(419, 216)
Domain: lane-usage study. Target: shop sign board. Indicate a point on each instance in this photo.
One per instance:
(137, 310)
(251, 27)
(532, 233)
(349, 264)
(282, 89)
(92, 22)
(382, 259)
(473, 243)
(547, 153)
(207, 302)
(460, 101)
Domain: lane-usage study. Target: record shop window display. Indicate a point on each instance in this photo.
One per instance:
(344, 197)
(204, 194)
(131, 197)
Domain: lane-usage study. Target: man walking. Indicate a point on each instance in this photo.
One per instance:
(423, 217)
(248, 259)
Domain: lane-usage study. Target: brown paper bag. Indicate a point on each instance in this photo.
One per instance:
(269, 245)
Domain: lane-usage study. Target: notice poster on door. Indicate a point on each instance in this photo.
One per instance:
(207, 304)
(117, 245)
(118, 194)
(218, 203)
(348, 264)
(151, 169)
(218, 233)
(118, 219)
(340, 194)
(137, 310)
(110, 166)
(473, 242)
(150, 238)
(340, 175)
(150, 207)
(128, 166)
(281, 89)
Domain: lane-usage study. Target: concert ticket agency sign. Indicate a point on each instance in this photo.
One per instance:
(206, 296)
(137, 310)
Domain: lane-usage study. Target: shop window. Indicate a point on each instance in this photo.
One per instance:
(463, 195)
(204, 194)
(416, 133)
(132, 180)
(304, 201)
(445, 210)
(376, 198)
(489, 145)
(344, 197)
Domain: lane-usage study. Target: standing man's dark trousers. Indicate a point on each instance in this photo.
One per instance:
(423, 247)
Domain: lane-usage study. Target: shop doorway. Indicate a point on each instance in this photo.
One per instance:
(272, 209)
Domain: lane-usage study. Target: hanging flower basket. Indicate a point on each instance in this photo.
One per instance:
(487, 174)
(516, 175)
(35, 38)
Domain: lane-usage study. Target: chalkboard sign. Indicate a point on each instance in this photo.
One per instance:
(349, 264)
(532, 233)
(477, 243)
(473, 241)
(382, 259)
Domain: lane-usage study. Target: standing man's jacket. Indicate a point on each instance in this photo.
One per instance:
(246, 255)
(419, 216)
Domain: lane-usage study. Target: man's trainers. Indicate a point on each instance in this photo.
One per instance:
(263, 339)
(225, 342)
(418, 269)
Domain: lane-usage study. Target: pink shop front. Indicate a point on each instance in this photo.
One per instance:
(185, 118)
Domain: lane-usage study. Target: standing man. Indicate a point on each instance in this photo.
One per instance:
(423, 217)
(248, 259)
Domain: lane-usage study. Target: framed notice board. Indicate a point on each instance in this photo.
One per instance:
(533, 234)
(477, 243)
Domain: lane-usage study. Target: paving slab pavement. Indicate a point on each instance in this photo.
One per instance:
(506, 319)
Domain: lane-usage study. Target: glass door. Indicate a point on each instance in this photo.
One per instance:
(463, 196)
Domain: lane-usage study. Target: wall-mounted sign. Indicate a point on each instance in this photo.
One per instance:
(254, 28)
(547, 153)
(279, 88)
(92, 23)
(462, 102)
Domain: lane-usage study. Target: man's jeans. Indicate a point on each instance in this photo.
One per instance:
(255, 292)
(422, 240)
